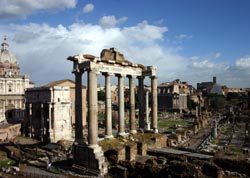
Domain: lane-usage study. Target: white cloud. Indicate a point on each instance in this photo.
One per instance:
(10, 9)
(202, 64)
(42, 51)
(183, 36)
(217, 55)
(88, 8)
(111, 21)
(47, 47)
(243, 63)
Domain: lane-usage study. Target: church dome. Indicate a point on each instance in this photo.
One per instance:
(8, 63)
(5, 55)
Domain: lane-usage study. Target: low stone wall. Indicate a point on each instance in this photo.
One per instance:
(240, 166)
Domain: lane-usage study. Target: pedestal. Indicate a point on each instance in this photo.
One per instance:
(91, 159)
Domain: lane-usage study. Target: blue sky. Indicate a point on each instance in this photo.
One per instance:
(192, 40)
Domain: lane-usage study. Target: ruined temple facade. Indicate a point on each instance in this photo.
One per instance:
(111, 63)
(12, 87)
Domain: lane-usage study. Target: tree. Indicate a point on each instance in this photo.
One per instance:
(217, 102)
(191, 104)
(101, 95)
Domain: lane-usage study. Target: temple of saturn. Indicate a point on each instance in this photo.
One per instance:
(110, 63)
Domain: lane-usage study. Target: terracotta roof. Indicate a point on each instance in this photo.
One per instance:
(57, 82)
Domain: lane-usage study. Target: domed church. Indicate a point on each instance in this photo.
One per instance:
(12, 87)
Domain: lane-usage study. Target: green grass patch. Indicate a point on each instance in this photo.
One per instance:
(6, 162)
(235, 149)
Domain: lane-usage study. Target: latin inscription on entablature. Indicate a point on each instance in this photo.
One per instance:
(120, 70)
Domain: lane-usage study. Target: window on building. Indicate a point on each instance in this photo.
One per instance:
(10, 88)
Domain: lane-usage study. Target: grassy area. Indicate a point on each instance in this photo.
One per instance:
(6, 162)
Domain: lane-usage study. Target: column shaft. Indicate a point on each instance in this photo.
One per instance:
(50, 123)
(92, 109)
(30, 118)
(154, 106)
(42, 123)
(141, 103)
(78, 107)
(147, 112)
(108, 107)
(121, 130)
(132, 105)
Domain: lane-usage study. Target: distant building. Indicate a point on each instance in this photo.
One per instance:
(12, 87)
(173, 95)
(50, 111)
(71, 84)
(205, 87)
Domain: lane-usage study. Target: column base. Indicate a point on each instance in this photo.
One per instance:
(91, 158)
(147, 126)
(122, 134)
(133, 131)
(79, 141)
(108, 136)
(155, 130)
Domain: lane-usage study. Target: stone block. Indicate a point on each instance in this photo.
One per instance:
(130, 151)
(90, 158)
(142, 148)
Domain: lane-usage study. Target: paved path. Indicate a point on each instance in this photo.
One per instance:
(196, 139)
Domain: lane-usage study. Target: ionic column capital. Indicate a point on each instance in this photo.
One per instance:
(120, 75)
(131, 77)
(141, 77)
(153, 77)
(106, 74)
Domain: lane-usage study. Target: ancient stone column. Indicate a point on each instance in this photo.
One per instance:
(78, 107)
(197, 111)
(121, 120)
(132, 126)
(147, 112)
(141, 102)
(42, 123)
(30, 117)
(108, 107)
(154, 107)
(50, 123)
(92, 109)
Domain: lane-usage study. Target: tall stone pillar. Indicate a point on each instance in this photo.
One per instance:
(121, 120)
(42, 123)
(108, 107)
(197, 111)
(147, 112)
(30, 118)
(50, 124)
(141, 103)
(154, 107)
(78, 107)
(92, 109)
(132, 124)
